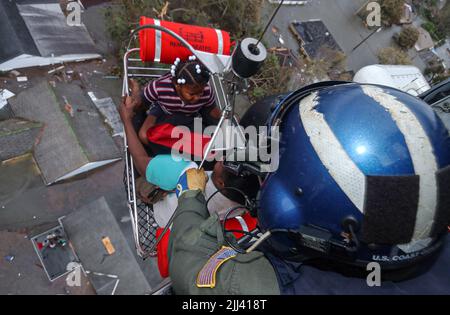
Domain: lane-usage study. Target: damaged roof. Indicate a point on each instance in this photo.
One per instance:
(37, 34)
(17, 137)
(314, 36)
(74, 139)
(14, 31)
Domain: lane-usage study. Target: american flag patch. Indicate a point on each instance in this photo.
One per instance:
(207, 276)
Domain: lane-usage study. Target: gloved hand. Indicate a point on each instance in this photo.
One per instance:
(192, 179)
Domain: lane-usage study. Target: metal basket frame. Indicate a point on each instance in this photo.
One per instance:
(142, 219)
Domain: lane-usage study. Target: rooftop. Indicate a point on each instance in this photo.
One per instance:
(37, 34)
(314, 37)
(425, 41)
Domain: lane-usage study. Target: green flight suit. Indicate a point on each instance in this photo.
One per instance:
(195, 237)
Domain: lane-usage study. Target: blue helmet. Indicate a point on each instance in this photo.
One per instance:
(364, 176)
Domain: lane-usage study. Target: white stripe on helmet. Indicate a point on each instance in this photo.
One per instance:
(330, 151)
(422, 156)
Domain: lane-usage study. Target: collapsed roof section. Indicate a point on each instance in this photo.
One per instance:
(74, 139)
(37, 34)
(17, 137)
(315, 39)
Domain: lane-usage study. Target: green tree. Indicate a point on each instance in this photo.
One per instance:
(408, 37)
(272, 78)
(436, 71)
(391, 11)
(444, 19)
(393, 56)
(240, 18)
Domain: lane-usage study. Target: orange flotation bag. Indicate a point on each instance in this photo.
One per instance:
(161, 47)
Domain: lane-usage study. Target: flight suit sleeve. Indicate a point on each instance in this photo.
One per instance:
(195, 237)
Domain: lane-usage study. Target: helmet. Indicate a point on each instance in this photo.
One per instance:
(364, 176)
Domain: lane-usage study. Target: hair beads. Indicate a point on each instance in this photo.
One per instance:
(189, 72)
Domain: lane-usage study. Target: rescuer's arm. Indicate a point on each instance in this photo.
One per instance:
(195, 237)
(137, 151)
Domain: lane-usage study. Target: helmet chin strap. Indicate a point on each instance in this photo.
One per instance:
(354, 239)
(259, 241)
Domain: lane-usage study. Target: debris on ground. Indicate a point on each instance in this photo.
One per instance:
(125, 219)
(108, 109)
(276, 32)
(54, 252)
(15, 73)
(55, 69)
(92, 96)
(4, 96)
(68, 107)
(92, 114)
(288, 2)
(108, 245)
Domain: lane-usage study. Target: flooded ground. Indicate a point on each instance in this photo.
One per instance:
(346, 28)
(29, 207)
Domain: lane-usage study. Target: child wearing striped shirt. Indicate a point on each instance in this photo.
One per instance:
(184, 90)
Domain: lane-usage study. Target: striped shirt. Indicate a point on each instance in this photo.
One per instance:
(162, 91)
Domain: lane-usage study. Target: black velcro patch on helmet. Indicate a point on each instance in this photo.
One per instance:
(442, 217)
(390, 209)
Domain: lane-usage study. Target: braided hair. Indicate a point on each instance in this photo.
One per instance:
(191, 72)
